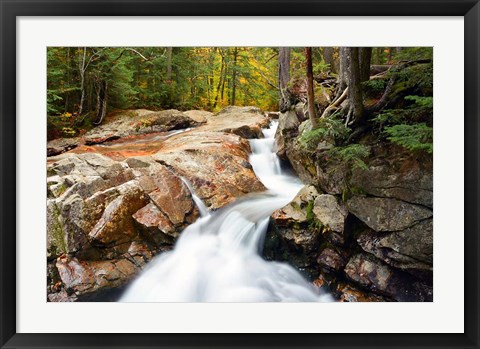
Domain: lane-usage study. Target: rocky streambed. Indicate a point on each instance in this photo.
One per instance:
(366, 232)
(113, 205)
(117, 197)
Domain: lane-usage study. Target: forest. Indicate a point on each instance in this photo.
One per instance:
(244, 174)
(84, 83)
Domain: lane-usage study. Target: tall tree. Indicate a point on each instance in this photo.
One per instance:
(168, 76)
(310, 90)
(220, 79)
(283, 76)
(344, 70)
(354, 85)
(365, 58)
(283, 67)
(234, 76)
(327, 53)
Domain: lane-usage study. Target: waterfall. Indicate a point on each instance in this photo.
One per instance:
(198, 202)
(218, 258)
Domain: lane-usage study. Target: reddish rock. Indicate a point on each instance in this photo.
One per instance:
(155, 225)
(332, 259)
(115, 225)
(81, 278)
(380, 278)
(349, 293)
(215, 163)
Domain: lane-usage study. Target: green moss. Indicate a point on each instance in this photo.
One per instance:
(56, 232)
(61, 189)
(309, 211)
(312, 221)
(295, 205)
(51, 172)
(348, 192)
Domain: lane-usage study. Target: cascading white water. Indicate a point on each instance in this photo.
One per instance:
(198, 202)
(217, 258)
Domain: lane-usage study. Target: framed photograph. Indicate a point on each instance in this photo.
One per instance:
(225, 174)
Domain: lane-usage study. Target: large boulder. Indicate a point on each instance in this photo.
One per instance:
(94, 280)
(61, 145)
(131, 123)
(410, 249)
(115, 226)
(348, 293)
(378, 277)
(383, 214)
(331, 259)
(294, 233)
(246, 122)
(301, 162)
(200, 116)
(215, 163)
(165, 189)
(100, 210)
(332, 215)
(288, 123)
(412, 182)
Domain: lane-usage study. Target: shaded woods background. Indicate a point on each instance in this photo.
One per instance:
(84, 83)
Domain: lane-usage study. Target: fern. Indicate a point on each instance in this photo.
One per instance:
(424, 102)
(375, 84)
(417, 137)
(353, 154)
(328, 129)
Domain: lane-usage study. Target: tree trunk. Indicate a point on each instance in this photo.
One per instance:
(355, 86)
(283, 67)
(234, 75)
(81, 69)
(220, 82)
(390, 52)
(327, 53)
(101, 101)
(225, 71)
(365, 57)
(310, 94)
(344, 70)
(378, 56)
(169, 65)
(283, 76)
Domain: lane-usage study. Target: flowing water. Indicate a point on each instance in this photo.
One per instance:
(218, 258)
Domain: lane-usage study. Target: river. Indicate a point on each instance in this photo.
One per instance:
(218, 258)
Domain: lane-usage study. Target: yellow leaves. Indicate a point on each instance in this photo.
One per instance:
(68, 131)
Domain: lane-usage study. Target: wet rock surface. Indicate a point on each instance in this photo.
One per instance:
(215, 163)
(294, 234)
(107, 216)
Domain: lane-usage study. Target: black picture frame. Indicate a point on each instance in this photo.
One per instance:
(9, 338)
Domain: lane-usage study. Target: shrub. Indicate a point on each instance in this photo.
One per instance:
(331, 129)
(353, 154)
(417, 137)
(424, 102)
